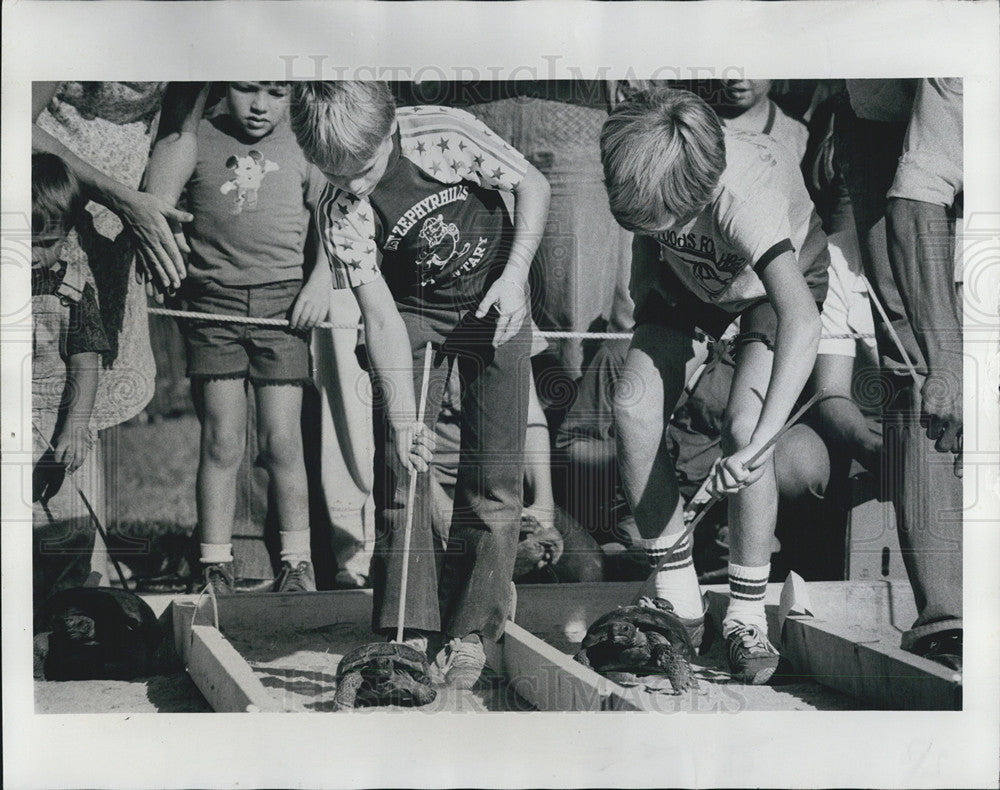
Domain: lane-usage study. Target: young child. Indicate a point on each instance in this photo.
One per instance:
(421, 186)
(67, 341)
(251, 192)
(746, 105)
(724, 229)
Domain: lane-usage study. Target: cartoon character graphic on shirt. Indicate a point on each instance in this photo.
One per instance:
(438, 238)
(248, 175)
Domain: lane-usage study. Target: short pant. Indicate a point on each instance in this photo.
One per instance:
(681, 310)
(263, 354)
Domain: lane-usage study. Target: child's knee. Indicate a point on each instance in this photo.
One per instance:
(223, 447)
(634, 413)
(280, 449)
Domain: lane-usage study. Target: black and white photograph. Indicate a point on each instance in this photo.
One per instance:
(501, 403)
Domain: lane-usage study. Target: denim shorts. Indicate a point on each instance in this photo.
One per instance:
(262, 354)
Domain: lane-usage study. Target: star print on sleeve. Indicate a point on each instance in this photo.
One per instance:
(452, 145)
(347, 228)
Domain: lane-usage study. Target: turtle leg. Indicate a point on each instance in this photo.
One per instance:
(347, 691)
(582, 658)
(409, 690)
(676, 667)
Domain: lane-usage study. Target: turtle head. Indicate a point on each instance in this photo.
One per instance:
(622, 632)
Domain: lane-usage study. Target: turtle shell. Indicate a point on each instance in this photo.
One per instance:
(650, 615)
(385, 657)
(98, 633)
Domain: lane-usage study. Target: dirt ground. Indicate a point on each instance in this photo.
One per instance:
(299, 667)
(161, 694)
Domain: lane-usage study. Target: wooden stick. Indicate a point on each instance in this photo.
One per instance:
(892, 331)
(410, 497)
(93, 516)
(689, 530)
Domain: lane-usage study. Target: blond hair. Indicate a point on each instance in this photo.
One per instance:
(663, 151)
(341, 123)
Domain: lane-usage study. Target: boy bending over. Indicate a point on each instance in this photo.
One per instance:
(719, 218)
(422, 187)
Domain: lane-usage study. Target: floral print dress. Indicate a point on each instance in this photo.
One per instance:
(110, 125)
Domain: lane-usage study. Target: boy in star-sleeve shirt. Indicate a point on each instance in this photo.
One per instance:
(415, 224)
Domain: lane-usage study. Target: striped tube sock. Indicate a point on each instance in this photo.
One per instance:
(675, 577)
(747, 586)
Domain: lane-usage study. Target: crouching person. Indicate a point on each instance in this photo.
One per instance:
(724, 229)
(422, 187)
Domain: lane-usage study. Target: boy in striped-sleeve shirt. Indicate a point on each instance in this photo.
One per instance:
(415, 224)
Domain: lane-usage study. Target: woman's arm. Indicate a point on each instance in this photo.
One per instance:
(508, 293)
(146, 215)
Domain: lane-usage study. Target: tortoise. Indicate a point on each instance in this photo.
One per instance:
(647, 638)
(100, 633)
(383, 673)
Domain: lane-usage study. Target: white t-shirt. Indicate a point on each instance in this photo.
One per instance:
(761, 209)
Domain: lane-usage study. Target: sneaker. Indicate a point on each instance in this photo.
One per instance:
(461, 662)
(219, 576)
(944, 647)
(752, 658)
(296, 578)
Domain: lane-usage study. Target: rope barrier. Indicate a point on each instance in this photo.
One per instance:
(549, 334)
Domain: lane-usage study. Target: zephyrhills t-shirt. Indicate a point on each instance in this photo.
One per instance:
(761, 209)
(436, 215)
(251, 201)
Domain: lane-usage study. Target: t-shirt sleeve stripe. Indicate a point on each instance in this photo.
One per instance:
(785, 245)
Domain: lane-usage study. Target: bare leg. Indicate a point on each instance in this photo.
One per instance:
(658, 363)
(279, 410)
(753, 511)
(222, 410)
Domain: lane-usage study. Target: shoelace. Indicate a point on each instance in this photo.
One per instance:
(751, 637)
(296, 574)
(459, 650)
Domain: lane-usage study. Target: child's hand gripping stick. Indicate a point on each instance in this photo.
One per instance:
(749, 464)
(410, 497)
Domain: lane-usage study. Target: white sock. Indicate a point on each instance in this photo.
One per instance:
(675, 577)
(295, 546)
(216, 552)
(747, 587)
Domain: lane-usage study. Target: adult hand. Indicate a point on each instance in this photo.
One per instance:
(941, 406)
(155, 225)
(732, 473)
(550, 539)
(312, 305)
(72, 446)
(509, 297)
(414, 446)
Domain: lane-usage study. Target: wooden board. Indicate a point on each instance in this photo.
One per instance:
(875, 670)
(223, 677)
(535, 654)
